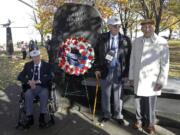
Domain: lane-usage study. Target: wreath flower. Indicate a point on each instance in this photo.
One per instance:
(76, 56)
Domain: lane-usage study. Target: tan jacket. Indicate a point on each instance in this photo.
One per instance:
(149, 64)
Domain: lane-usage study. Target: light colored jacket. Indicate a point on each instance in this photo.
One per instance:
(149, 65)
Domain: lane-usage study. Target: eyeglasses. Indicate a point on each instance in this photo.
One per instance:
(115, 26)
(147, 26)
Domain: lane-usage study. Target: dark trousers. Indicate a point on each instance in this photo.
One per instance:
(24, 54)
(145, 109)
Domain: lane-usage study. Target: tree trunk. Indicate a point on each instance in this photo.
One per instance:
(170, 33)
(157, 25)
(158, 15)
(125, 31)
(42, 39)
(131, 32)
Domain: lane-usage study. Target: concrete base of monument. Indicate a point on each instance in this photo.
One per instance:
(167, 110)
(168, 116)
(167, 124)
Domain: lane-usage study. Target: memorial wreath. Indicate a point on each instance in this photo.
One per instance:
(76, 56)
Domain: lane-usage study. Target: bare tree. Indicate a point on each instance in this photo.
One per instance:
(153, 9)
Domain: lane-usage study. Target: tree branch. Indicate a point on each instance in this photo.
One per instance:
(169, 25)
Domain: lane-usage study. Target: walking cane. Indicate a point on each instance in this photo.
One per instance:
(95, 100)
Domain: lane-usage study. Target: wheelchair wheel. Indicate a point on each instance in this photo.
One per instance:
(55, 104)
(52, 105)
(51, 111)
(54, 98)
(22, 119)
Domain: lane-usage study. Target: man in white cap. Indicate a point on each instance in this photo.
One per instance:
(36, 76)
(112, 61)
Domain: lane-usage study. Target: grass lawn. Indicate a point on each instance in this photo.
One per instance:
(174, 47)
(9, 69)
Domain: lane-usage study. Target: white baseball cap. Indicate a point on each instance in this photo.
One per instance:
(35, 53)
(114, 20)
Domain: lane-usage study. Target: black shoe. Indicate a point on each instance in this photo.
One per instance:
(29, 122)
(121, 121)
(42, 123)
(103, 120)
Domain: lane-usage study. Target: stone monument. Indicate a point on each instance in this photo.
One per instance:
(74, 20)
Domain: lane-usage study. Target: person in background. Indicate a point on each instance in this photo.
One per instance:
(36, 76)
(112, 66)
(36, 43)
(32, 46)
(48, 47)
(24, 49)
(148, 73)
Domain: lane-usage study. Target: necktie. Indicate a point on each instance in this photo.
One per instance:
(36, 73)
(112, 44)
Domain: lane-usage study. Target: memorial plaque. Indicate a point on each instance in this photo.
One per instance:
(74, 20)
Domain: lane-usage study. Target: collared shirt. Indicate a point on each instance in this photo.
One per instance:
(116, 43)
(113, 50)
(116, 40)
(147, 41)
(150, 40)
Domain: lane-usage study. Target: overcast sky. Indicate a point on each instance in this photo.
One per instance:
(21, 15)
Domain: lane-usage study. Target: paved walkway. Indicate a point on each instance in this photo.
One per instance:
(66, 124)
(74, 123)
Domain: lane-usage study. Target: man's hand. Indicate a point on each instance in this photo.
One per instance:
(157, 87)
(131, 82)
(98, 74)
(32, 83)
(125, 79)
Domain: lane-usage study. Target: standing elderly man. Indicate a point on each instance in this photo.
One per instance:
(149, 65)
(112, 59)
(36, 75)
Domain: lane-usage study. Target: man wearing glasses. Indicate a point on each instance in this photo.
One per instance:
(112, 61)
(148, 72)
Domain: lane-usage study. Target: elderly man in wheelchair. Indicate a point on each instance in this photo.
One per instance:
(36, 77)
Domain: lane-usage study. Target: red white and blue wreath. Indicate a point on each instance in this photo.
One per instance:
(76, 56)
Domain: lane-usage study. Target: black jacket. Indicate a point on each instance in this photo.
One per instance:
(45, 73)
(102, 48)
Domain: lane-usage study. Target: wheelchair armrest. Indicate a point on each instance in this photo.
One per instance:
(25, 87)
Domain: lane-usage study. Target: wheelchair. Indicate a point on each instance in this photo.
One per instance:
(51, 106)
